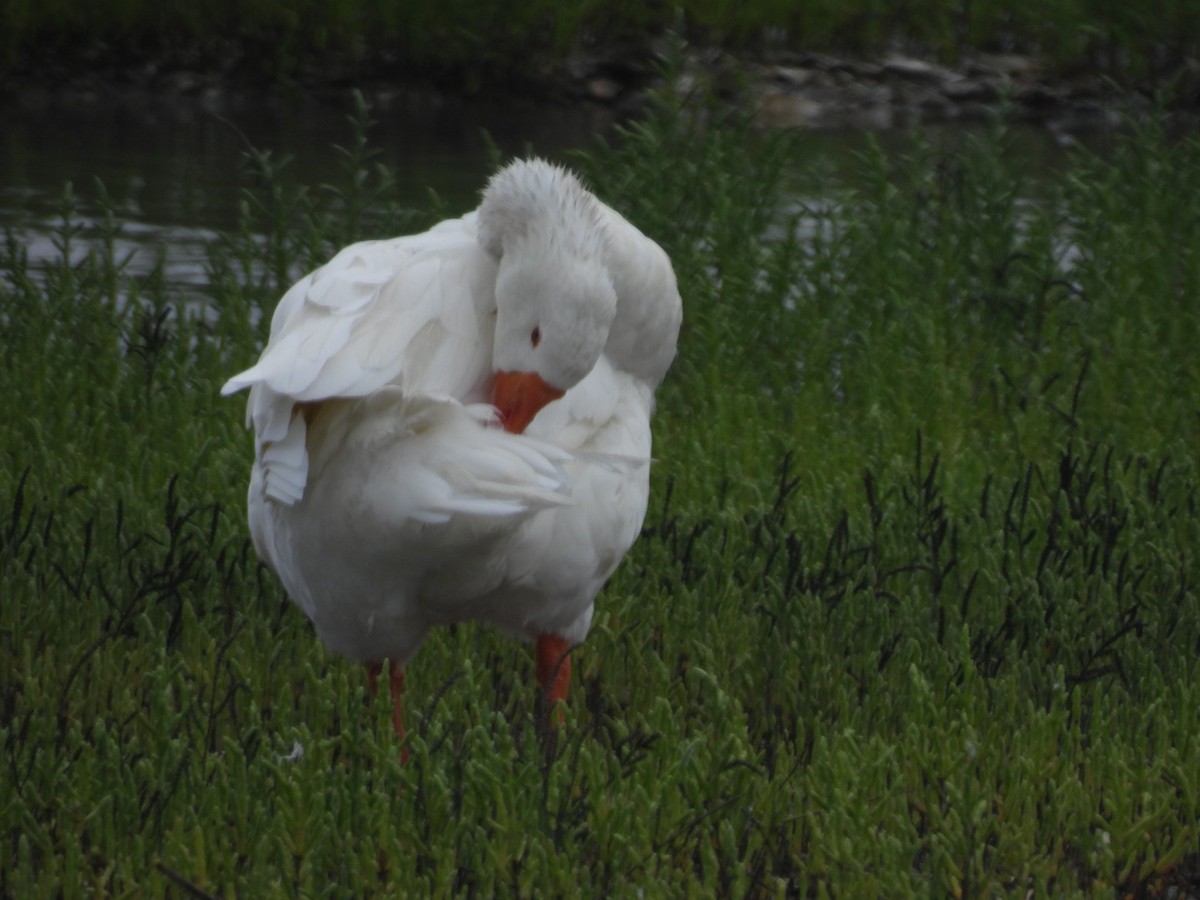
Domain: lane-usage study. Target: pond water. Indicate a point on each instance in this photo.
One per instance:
(172, 167)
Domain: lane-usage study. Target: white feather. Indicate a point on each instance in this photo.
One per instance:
(385, 494)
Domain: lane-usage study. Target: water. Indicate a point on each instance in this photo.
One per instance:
(172, 166)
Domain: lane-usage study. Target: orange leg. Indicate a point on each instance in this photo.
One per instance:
(554, 674)
(396, 686)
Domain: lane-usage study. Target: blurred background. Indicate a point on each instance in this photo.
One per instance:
(159, 102)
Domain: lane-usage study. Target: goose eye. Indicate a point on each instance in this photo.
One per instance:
(535, 336)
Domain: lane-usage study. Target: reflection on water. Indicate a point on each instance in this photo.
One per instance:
(172, 167)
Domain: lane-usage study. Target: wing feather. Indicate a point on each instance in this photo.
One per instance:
(411, 312)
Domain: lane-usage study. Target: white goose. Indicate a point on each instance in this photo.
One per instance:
(383, 493)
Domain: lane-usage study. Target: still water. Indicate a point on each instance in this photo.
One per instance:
(173, 169)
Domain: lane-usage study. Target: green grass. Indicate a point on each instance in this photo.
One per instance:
(479, 45)
(914, 612)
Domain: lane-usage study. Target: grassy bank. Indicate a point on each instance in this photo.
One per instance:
(914, 612)
(472, 42)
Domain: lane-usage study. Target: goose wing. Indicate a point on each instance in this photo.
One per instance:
(413, 312)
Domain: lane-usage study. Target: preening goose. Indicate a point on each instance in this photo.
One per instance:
(385, 493)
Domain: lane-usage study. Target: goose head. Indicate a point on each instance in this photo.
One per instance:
(553, 315)
(555, 300)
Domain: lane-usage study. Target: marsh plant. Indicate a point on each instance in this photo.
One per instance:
(914, 610)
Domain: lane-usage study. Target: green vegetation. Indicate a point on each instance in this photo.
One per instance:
(914, 612)
(476, 42)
